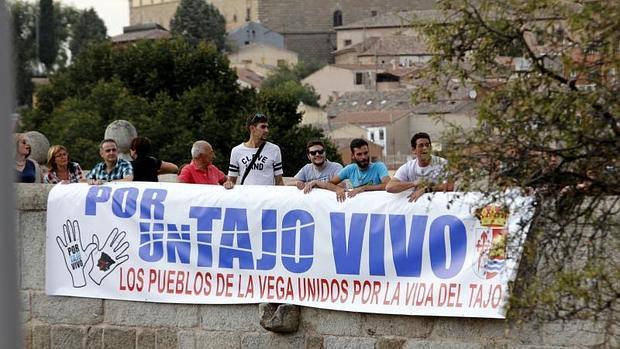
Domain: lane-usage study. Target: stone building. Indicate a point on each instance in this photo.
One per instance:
(307, 26)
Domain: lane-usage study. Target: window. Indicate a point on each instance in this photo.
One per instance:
(337, 18)
(347, 42)
(359, 78)
(246, 61)
(381, 135)
(235, 18)
(281, 62)
(373, 13)
(247, 14)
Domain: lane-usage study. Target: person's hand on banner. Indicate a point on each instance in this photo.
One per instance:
(74, 253)
(109, 256)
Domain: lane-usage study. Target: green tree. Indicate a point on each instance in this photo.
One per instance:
(198, 20)
(87, 29)
(23, 15)
(172, 92)
(289, 78)
(47, 43)
(552, 129)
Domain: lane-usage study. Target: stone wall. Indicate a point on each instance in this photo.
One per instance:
(70, 322)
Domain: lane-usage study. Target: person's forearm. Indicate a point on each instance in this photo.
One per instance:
(376, 187)
(124, 179)
(328, 186)
(397, 187)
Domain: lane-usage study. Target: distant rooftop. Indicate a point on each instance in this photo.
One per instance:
(397, 19)
(141, 31)
(388, 46)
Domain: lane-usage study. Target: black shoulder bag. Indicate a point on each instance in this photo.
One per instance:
(254, 158)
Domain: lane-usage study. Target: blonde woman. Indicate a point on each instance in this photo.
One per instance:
(61, 170)
(26, 170)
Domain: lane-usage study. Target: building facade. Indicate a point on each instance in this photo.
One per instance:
(307, 26)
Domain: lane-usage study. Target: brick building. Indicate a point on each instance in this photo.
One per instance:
(307, 26)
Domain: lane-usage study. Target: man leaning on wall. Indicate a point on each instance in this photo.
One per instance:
(426, 173)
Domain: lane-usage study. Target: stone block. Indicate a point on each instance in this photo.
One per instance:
(397, 325)
(41, 337)
(146, 338)
(528, 346)
(336, 342)
(230, 317)
(66, 310)
(331, 322)
(187, 339)
(574, 333)
(32, 197)
(150, 314)
(24, 306)
(313, 342)
(27, 336)
(167, 339)
(390, 343)
(94, 338)
(67, 337)
(271, 340)
(441, 344)
(462, 328)
(280, 318)
(114, 338)
(218, 340)
(32, 228)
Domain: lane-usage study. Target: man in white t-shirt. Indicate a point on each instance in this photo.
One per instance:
(426, 173)
(267, 168)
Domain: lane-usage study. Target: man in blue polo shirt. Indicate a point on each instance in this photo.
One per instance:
(363, 174)
(111, 169)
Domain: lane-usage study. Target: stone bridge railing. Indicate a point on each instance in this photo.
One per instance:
(70, 322)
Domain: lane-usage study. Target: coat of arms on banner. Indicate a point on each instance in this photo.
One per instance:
(491, 238)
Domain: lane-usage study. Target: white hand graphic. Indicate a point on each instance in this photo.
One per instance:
(74, 253)
(109, 256)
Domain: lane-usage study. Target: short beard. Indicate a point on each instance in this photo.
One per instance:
(360, 165)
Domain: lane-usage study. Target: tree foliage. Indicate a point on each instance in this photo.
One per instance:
(552, 129)
(173, 93)
(87, 29)
(47, 43)
(289, 78)
(66, 30)
(198, 20)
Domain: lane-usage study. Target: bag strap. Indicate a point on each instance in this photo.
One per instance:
(254, 158)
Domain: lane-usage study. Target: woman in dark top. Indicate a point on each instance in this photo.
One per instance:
(146, 167)
(26, 170)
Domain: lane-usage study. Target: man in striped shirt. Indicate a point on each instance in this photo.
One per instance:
(267, 168)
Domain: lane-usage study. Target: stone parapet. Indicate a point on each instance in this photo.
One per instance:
(73, 322)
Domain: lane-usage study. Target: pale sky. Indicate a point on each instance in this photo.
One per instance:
(115, 13)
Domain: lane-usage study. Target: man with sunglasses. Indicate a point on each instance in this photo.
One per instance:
(266, 169)
(425, 173)
(318, 170)
(111, 169)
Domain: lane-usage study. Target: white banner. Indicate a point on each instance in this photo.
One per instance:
(376, 252)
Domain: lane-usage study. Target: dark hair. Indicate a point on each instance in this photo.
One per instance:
(314, 142)
(419, 135)
(141, 145)
(255, 119)
(107, 140)
(358, 143)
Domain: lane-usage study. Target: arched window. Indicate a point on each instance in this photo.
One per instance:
(337, 18)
